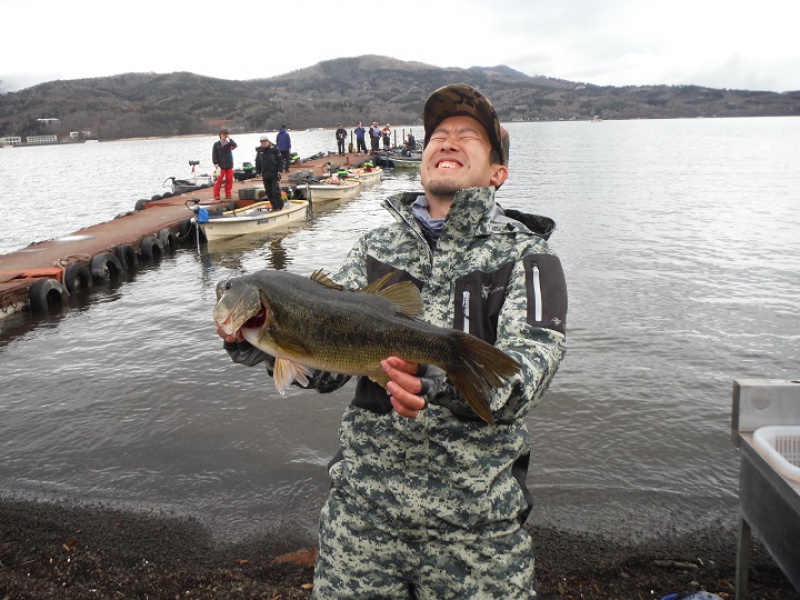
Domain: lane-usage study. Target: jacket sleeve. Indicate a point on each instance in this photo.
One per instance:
(244, 353)
(214, 155)
(531, 330)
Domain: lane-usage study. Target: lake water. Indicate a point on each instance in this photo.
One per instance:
(681, 249)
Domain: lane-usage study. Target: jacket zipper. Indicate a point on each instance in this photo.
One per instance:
(389, 205)
(537, 294)
(465, 310)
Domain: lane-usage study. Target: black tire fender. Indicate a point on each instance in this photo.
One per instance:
(151, 248)
(155, 197)
(105, 267)
(167, 195)
(168, 240)
(185, 229)
(126, 256)
(47, 295)
(187, 232)
(77, 278)
(141, 204)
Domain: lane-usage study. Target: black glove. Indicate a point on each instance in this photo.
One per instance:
(431, 378)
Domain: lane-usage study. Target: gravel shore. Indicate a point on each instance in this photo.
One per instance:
(63, 551)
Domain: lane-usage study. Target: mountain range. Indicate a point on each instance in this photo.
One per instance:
(347, 90)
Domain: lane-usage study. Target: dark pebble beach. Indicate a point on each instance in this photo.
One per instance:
(60, 550)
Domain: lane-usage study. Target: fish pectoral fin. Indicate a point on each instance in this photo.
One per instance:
(287, 371)
(321, 277)
(290, 343)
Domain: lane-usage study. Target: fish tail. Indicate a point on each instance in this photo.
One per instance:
(477, 370)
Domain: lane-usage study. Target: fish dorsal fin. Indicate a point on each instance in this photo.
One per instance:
(406, 298)
(404, 295)
(321, 277)
(376, 286)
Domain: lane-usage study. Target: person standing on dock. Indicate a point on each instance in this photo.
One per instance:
(361, 144)
(341, 138)
(375, 137)
(386, 134)
(269, 162)
(410, 146)
(222, 157)
(426, 499)
(284, 143)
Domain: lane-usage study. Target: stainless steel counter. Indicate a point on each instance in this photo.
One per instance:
(769, 502)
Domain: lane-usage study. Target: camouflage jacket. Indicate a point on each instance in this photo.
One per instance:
(447, 474)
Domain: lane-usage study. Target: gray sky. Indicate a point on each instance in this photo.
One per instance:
(714, 43)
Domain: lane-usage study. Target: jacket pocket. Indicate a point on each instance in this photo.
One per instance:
(479, 298)
(546, 289)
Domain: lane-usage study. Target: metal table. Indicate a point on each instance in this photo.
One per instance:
(769, 502)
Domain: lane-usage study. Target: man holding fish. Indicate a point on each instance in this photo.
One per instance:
(455, 334)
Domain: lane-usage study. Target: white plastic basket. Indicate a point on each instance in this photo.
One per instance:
(781, 444)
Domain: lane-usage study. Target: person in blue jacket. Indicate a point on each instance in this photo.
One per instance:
(361, 143)
(284, 143)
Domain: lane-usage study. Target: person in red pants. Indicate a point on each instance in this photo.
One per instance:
(222, 157)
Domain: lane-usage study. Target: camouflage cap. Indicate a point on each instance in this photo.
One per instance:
(460, 99)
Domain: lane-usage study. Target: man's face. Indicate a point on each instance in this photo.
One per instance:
(457, 158)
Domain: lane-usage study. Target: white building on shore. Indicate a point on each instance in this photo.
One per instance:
(41, 139)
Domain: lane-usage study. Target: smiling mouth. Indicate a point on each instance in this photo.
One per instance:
(448, 164)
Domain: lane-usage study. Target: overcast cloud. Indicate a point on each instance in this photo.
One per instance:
(714, 43)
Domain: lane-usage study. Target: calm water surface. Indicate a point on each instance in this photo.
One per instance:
(679, 241)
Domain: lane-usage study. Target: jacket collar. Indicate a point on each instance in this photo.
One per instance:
(475, 210)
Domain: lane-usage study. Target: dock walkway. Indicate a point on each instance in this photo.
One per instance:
(131, 237)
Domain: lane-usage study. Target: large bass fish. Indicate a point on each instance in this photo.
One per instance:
(316, 324)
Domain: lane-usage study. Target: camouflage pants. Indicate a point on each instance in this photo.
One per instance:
(358, 561)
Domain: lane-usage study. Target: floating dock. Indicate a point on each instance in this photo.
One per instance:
(41, 276)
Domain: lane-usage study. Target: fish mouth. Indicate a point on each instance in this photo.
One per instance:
(239, 309)
(256, 321)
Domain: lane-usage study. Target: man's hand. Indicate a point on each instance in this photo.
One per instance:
(228, 338)
(403, 386)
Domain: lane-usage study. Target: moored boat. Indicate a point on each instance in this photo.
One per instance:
(256, 218)
(405, 163)
(368, 175)
(331, 190)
